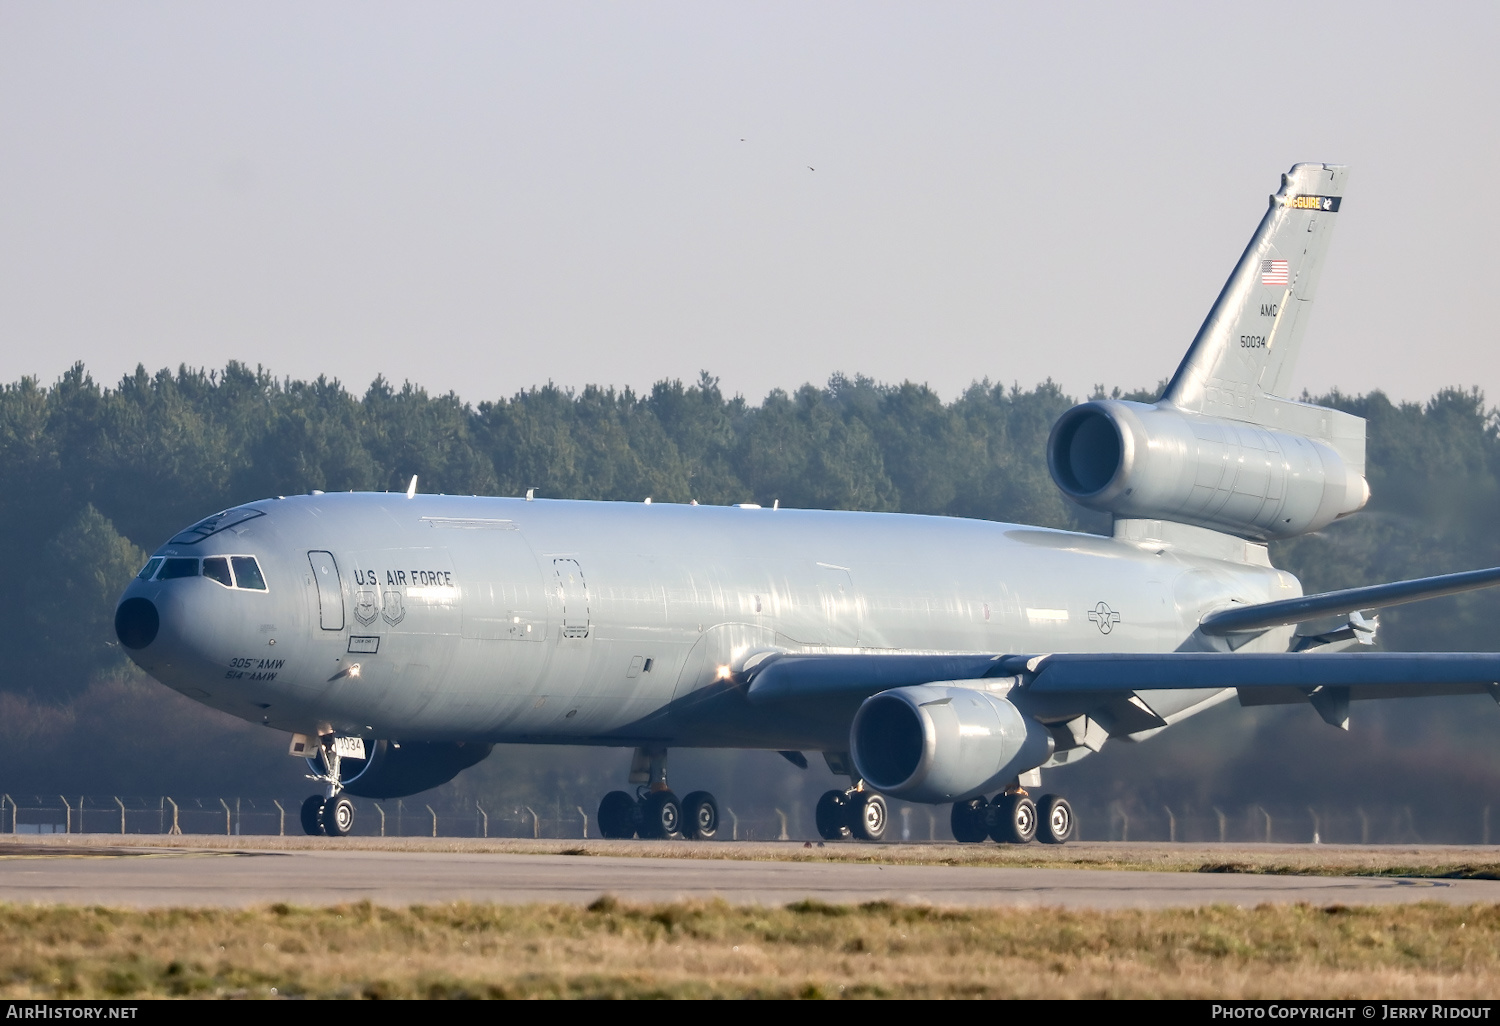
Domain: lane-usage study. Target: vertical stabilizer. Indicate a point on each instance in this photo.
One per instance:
(1247, 347)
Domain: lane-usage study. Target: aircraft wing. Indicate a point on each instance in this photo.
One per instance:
(1366, 674)
(1265, 615)
(1117, 688)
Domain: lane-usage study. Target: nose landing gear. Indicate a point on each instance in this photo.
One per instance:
(338, 816)
(312, 814)
(331, 813)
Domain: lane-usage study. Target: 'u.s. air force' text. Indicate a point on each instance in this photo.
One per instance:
(401, 578)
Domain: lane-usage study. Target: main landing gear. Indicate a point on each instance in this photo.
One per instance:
(1013, 818)
(855, 814)
(330, 813)
(655, 811)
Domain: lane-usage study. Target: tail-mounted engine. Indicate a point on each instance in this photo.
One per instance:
(940, 743)
(1159, 463)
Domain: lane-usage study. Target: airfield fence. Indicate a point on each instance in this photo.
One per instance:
(417, 817)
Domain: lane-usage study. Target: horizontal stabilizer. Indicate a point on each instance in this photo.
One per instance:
(1241, 619)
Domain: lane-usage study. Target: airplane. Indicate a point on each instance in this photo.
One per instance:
(398, 638)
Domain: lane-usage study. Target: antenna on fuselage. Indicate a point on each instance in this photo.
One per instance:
(530, 494)
(411, 489)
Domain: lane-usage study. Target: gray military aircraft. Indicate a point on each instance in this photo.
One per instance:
(398, 638)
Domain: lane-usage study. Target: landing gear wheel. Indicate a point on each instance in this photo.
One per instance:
(700, 816)
(968, 820)
(1057, 823)
(338, 816)
(832, 816)
(312, 815)
(867, 816)
(617, 813)
(661, 815)
(1012, 819)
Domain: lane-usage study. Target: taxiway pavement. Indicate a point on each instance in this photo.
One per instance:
(146, 877)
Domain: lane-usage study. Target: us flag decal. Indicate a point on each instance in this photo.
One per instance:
(1274, 272)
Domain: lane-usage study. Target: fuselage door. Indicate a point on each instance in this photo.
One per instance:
(325, 571)
(840, 605)
(574, 592)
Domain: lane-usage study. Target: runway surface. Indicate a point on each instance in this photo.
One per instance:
(144, 877)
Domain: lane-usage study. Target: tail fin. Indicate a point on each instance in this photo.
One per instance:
(1223, 452)
(1248, 346)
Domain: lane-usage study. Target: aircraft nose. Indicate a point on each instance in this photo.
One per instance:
(136, 623)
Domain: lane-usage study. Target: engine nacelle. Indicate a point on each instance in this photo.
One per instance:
(1158, 463)
(394, 769)
(943, 742)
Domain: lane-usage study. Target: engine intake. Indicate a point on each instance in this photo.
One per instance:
(943, 742)
(1156, 462)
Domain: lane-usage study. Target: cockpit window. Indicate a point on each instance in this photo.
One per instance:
(247, 573)
(214, 524)
(177, 567)
(216, 568)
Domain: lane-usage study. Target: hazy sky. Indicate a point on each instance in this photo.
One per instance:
(482, 197)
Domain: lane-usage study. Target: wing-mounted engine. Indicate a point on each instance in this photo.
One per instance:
(940, 742)
(1156, 462)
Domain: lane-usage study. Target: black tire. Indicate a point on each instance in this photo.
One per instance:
(968, 820)
(1012, 819)
(661, 815)
(617, 814)
(338, 816)
(832, 816)
(868, 816)
(700, 816)
(1056, 822)
(312, 815)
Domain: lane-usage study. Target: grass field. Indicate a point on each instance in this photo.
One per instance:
(806, 949)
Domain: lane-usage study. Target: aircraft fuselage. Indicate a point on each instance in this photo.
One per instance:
(509, 620)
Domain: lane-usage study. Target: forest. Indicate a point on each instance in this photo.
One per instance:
(93, 477)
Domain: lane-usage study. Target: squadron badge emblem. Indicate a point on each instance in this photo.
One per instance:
(393, 611)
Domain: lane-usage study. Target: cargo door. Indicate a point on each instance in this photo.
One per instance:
(325, 574)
